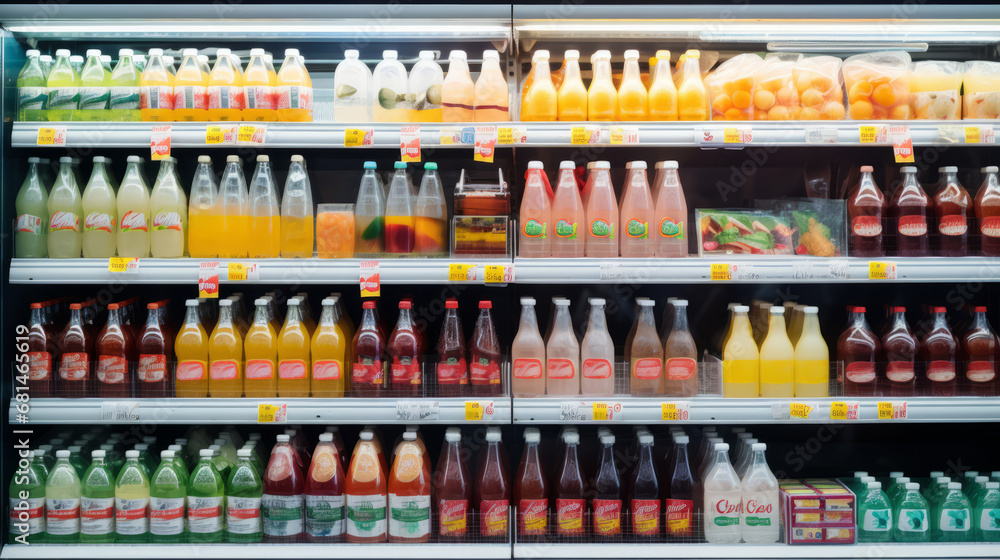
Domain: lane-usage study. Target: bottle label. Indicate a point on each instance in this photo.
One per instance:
(569, 516)
(637, 229)
(156, 97)
(646, 368)
(980, 371)
(97, 516)
(367, 372)
(867, 226)
(124, 98)
(166, 516)
(565, 229)
(679, 515)
(34, 508)
(954, 520)
(326, 369)
(27, 223)
(190, 97)
(204, 514)
(32, 98)
(152, 367)
(292, 369)
(260, 369)
(528, 368)
(990, 226)
(954, 224)
(282, 515)
(646, 517)
(860, 372)
(64, 221)
(131, 516)
(602, 228)
(912, 520)
(63, 98)
(671, 229)
(99, 222)
(243, 515)
(74, 366)
(409, 516)
(134, 221)
(533, 517)
(900, 372)
(166, 219)
(484, 371)
(260, 97)
(941, 371)
(533, 228)
(222, 370)
(405, 370)
(758, 514)
(295, 97)
(190, 370)
(561, 368)
(453, 372)
(325, 515)
(366, 515)
(62, 516)
(912, 226)
(94, 98)
(112, 369)
(679, 369)
(877, 520)
(39, 365)
(225, 97)
(452, 517)
(989, 520)
(493, 517)
(596, 368)
(607, 517)
(725, 513)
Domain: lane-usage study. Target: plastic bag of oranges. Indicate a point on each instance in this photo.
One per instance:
(878, 85)
(936, 90)
(817, 81)
(982, 89)
(774, 95)
(730, 88)
(335, 231)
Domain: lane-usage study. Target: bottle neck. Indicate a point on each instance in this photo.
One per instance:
(542, 71)
(776, 324)
(191, 316)
(758, 460)
(261, 316)
(114, 317)
(328, 317)
(153, 318)
(76, 318)
(680, 322)
(602, 70)
(631, 70)
(741, 322)
(663, 70)
(940, 322)
(528, 319)
(36, 317)
(405, 321)
(293, 316)
(646, 454)
(721, 457)
(226, 315)
(598, 321)
(980, 321)
(562, 318)
(66, 173)
(572, 70)
(368, 321)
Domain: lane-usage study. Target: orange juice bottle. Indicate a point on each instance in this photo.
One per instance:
(662, 92)
(410, 492)
(191, 349)
(529, 79)
(633, 99)
(329, 345)
(261, 349)
(156, 90)
(190, 89)
(366, 496)
(225, 89)
(540, 102)
(692, 97)
(572, 94)
(306, 311)
(225, 355)
(259, 89)
(293, 353)
(602, 97)
(295, 93)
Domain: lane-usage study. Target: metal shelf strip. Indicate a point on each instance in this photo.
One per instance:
(750, 551)
(263, 551)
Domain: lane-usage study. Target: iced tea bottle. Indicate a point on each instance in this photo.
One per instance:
(857, 350)
(329, 352)
(637, 215)
(452, 489)
(76, 348)
(528, 354)
(951, 206)
(899, 347)
(601, 227)
(153, 346)
(645, 353)
(260, 347)
(368, 369)
(939, 348)
(988, 212)
(404, 351)
(908, 210)
(324, 493)
(680, 354)
(979, 347)
(562, 350)
(225, 355)
(484, 355)
(491, 491)
(115, 357)
(531, 490)
(452, 368)
(597, 354)
(409, 493)
(41, 354)
(283, 506)
(365, 493)
(191, 349)
(606, 506)
(293, 353)
(865, 209)
(568, 215)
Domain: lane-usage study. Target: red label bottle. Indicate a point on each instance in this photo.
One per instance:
(115, 357)
(531, 491)
(404, 353)
(452, 367)
(484, 355)
(899, 351)
(988, 212)
(153, 377)
(452, 489)
(679, 503)
(75, 349)
(979, 347)
(908, 212)
(857, 350)
(41, 355)
(607, 503)
(865, 209)
(644, 492)
(939, 348)
(368, 370)
(951, 206)
(491, 492)
(571, 506)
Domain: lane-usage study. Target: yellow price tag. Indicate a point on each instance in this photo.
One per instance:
(251, 134)
(498, 274)
(214, 135)
(474, 410)
(580, 135)
(51, 136)
(668, 411)
(878, 270)
(357, 137)
(461, 272)
(272, 413)
(838, 410)
(868, 134)
(799, 410)
(721, 271)
(731, 136)
(237, 272)
(600, 411)
(505, 135)
(121, 264)
(885, 410)
(972, 135)
(617, 135)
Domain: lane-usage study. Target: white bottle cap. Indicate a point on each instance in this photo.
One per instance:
(263, 157)
(529, 437)
(31, 52)
(671, 164)
(777, 310)
(934, 474)
(646, 439)
(571, 438)
(232, 159)
(206, 453)
(682, 438)
(298, 158)
(260, 302)
(155, 52)
(567, 165)
(865, 479)
(291, 52)
(283, 438)
(168, 454)
(99, 159)
(254, 52)
(223, 52)
(895, 474)
(245, 453)
(62, 454)
(722, 446)
(493, 437)
(608, 439)
(912, 486)
(645, 302)
(876, 485)
(561, 302)
(954, 486)
(132, 454)
(460, 55)
(943, 479)
(602, 54)
(949, 169)
(631, 53)
(326, 436)
(573, 54)
(602, 165)
(426, 55)
(908, 169)
(450, 437)
(387, 55)
(758, 447)
(535, 165)
(125, 52)
(351, 53)
(491, 54)
(367, 435)
(903, 479)
(541, 53)
(982, 479)
(598, 301)
(189, 52)
(638, 165)
(225, 303)
(93, 52)
(992, 485)
(679, 303)
(990, 169)
(810, 310)
(62, 52)
(98, 453)
(294, 301)
(527, 301)
(741, 309)
(859, 474)
(174, 447)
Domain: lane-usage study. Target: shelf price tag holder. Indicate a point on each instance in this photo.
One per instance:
(606, 411)
(624, 135)
(511, 135)
(251, 135)
(892, 410)
(902, 143)
(272, 413)
(159, 142)
(371, 284)
(216, 134)
(845, 410)
(478, 410)
(726, 272)
(881, 270)
(679, 411)
(120, 411)
(128, 265)
(874, 134)
(572, 411)
(208, 280)
(800, 410)
(418, 410)
(409, 143)
(979, 135)
(359, 137)
(51, 137)
(818, 135)
(579, 135)
(485, 144)
(737, 135)
(498, 273)
(458, 272)
(240, 272)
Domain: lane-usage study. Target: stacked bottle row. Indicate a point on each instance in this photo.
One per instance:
(154, 91)
(587, 220)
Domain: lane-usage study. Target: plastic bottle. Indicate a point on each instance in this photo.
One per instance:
(597, 354)
(405, 349)
(283, 505)
(645, 353)
(913, 518)
(123, 99)
(369, 214)
(399, 214)
(723, 505)
(425, 87)
(777, 359)
(606, 505)
(602, 97)
(132, 210)
(680, 355)
(32, 95)
(264, 213)
(952, 205)
(297, 212)
(572, 96)
(65, 211)
(63, 83)
(329, 353)
(908, 210)
(365, 493)
(389, 84)
(167, 497)
(979, 346)
(168, 206)
(662, 91)
(368, 377)
(535, 215)
(987, 206)
(568, 215)
(295, 93)
(759, 522)
(225, 354)
(952, 516)
(191, 350)
(601, 213)
(562, 350)
(939, 348)
(452, 367)
(680, 491)
(259, 89)
(458, 92)
(875, 521)
(26, 495)
(484, 355)
(205, 223)
(540, 103)
(431, 215)
(571, 506)
(191, 89)
(156, 89)
(812, 358)
(132, 501)
(47, 63)
(98, 204)
(95, 82)
(116, 356)
(293, 353)
(225, 89)
(692, 96)
(671, 214)
(244, 493)
(740, 358)
(452, 489)
(205, 494)
(32, 214)
(260, 347)
(62, 502)
(352, 86)
(986, 515)
(633, 98)
(492, 97)
(97, 501)
(637, 215)
(232, 209)
(865, 207)
(409, 493)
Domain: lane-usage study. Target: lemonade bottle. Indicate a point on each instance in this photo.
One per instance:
(32, 94)
(740, 358)
(65, 206)
(95, 82)
(132, 501)
(264, 213)
(389, 83)
(458, 92)
(156, 89)
(225, 89)
(204, 224)
(98, 205)
(633, 99)
(602, 97)
(32, 215)
(568, 215)
(261, 349)
(97, 501)
(132, 206)
(206, 491)
(492, 97)
(190, 89)
(541, 99)
(225, 354)
(191, 349)
(662, 92)
(328, 350)
(63, 84)
(231, 209)
(62, 501)
(167, 495)
(365, 492)
(293, 353)
(535, 215)
(425, 86)
(244, 493)
(352, 90)
(572, 94)
(812, 358)
(637, 215)
(692, 97)
(168, 208)
(297, 212)
(46, 62)
(777, 359)
(123, 101)
(295, 94)
(259, 89)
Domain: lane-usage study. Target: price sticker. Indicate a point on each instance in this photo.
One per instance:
(462, 272)
(208, 280)
(721, 272)
(449, 135)
(838, 270)
(972, 135)
(987, 135)
(498, 274)
(844, 410)
(606, 411)
(737, 135)
(272, 413)
(371, 285)
(902, 143)
(799, 411)
(123, 264)
(359, 137)
(675, 411)
(611, 271)
(240, 272)
(571, 411)
(485, 144)
(216, 134)
(822, 136)
(159, 142)
(878, 270)
(478, 410)
(505, 135)
(624, 135)
(251, 134)
(51, 137)
(120, 411)
(584, 135)
(409, 143)
(892, 410)
(418, 410)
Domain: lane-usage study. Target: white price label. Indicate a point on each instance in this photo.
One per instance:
(611, 271)
(572, 411)
(822, 135)
(417, 410)
(120, 411)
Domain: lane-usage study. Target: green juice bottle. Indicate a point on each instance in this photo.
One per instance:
(62, 501)
(874, 515)
(953, 516)
(123, 101)
(63, 84)
(95, 89)
(987, 514)
(913, 517)
(32, 90)
(167, 499)
(132, 501)
(244, 492)
(97, 506)
(205, 495)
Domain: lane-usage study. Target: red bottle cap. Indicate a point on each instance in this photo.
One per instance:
(867, 169)
(980, 309)
(112, 306)
(153, 305)
(368, 305)
(75, 306)
(36, 306)
(859, 309)
(940, 310)
(486, 305)
(405, 304)
(899, 310)
(451, 304)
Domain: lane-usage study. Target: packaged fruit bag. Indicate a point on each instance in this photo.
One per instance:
(730, 88)
(817, 81)
(878, 85)
(982, 89)
(936, 90)
(335, 231)
(774, 95)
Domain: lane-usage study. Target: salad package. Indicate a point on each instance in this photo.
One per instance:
(818, 225)
(808, 227)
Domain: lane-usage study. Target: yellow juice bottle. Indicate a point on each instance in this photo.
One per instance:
(329, 345)
(190, 89)
(191, 349)
(740, 359)
(225, 89)
(692, 96)
(812, 358)
(528, 80)
(225, 355)
(777, 359)
(272, 312)
(602, 97)
(261, 349)
(295, 93)
(259, 89)
(156, 90)
(662, 92)
(633, 99)
(293, 354)
(306, 312)
(347, 325)
(540, 103)
(572, 94)
(264, 213)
